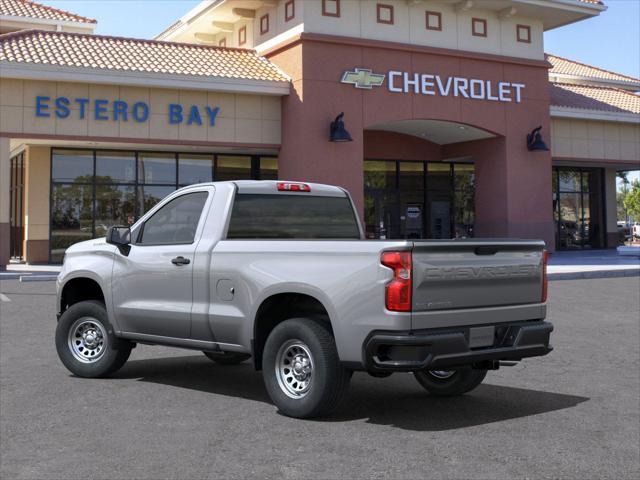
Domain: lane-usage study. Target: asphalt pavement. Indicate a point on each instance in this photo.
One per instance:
(172, 413)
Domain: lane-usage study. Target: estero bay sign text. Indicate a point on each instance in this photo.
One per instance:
(120, 110)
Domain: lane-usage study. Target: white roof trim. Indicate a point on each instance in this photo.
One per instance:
(624, 84)
(50, 22)
(59, 73)
(585, 114)
(574, 5)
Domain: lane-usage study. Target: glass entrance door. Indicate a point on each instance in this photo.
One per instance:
(16, 207)
(577, 208)
(418, 199)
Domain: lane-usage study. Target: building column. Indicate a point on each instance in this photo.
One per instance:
(611, 208)
(513, 191)
(5, 185)
(36, 207)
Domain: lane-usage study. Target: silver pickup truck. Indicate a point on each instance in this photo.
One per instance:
(280, 272)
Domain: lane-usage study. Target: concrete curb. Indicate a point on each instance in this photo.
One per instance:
(594, 274)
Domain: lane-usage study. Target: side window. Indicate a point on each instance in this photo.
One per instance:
(176, 222)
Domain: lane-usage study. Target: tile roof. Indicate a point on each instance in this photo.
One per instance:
(135, 55)
(588, 97)
(564, 66)
(30, 9)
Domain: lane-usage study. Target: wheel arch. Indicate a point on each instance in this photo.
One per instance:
(78, 289)
(280, 306)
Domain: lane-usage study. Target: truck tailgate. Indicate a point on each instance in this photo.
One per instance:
(465, 274)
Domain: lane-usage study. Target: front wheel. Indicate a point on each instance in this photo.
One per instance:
(302, 370)
(85, 341)
(448, 383)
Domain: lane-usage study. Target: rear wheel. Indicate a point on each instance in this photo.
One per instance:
(85, 341)
(302, 370)
(448, 383)
(227, 358)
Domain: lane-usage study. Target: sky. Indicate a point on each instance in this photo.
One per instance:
(610, 41)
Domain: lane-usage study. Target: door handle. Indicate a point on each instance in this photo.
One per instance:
(180, 261)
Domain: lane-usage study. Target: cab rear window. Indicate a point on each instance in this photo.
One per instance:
(292, 216)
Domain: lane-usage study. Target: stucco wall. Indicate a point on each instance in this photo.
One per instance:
(359, 19)
(598, 140)
(36, 208)
(243, 119)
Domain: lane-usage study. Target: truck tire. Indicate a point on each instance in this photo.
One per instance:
(85, 341)
(227, 358)
(302, 370)
(450, 383)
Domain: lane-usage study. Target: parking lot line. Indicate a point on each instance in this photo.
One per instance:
(4, 298)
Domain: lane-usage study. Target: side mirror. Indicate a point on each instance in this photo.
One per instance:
(120, 236)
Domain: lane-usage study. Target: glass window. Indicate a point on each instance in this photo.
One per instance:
(195, 169)
(148, 196)
(157, 168)
(569, 180)
(379, 174)
(268, 168)
(464, 176)
(292, 216)
(411, 175)
(72, 166)
(439, 176)
(71, 217)
(115, 205)
(233, 168)
(115, 167)
(176, 222)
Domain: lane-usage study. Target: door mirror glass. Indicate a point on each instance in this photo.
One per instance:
(119, 235)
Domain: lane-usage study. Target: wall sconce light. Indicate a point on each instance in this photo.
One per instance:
(535, 142)
(337, 132)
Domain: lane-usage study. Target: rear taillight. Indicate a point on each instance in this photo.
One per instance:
(293, 187)
(398, 290)
(545, 280)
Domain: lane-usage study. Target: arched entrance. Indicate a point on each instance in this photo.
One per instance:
(420, 180)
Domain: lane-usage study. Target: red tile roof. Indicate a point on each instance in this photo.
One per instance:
(134, 55)
(30, 9)
(564, 66)
(588, 97)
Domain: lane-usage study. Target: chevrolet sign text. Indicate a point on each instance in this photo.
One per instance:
(431, 84)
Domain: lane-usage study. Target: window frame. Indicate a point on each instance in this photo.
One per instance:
(242, 36)
(479, 21)
(264, 24)
(438, 15)
(326, 13)
(289, 4)
(222, 42)
(379, 8)
(151, 213)
(523, 28)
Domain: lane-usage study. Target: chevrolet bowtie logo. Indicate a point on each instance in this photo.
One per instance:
(363, 78)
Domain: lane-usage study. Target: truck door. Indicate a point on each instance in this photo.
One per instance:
(153, 285)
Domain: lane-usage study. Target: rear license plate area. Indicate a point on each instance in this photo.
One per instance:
(481, 336)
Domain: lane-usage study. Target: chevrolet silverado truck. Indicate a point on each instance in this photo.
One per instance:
(280, 272)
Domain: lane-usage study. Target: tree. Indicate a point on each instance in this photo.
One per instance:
(631, 200)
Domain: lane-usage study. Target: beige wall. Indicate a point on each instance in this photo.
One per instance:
(598, 140)
(611, 208)
(244, 119)
(5, 182)
(37, 180)
(359, 19)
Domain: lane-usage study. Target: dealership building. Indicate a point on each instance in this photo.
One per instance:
(442, 100)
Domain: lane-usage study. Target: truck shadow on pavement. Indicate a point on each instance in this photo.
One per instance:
(394, 401)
